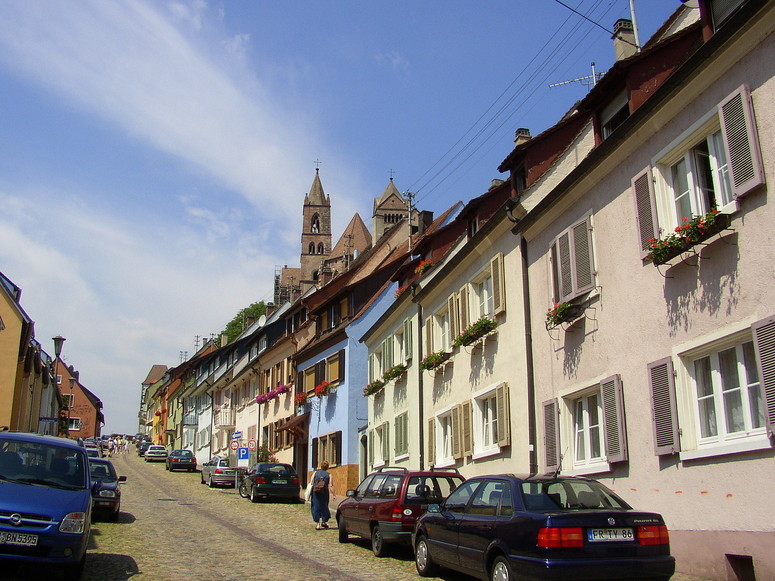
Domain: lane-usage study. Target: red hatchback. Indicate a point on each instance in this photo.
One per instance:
(386, 505)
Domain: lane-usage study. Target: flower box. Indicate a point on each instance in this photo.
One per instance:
(686, 236)
(475, 331)
(300, 398)
(322, 389)
(562, 313)
(424, 266)
(394, 372)
(373, 387)
(433, 360)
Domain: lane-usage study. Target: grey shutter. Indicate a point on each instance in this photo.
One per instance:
(582, 256)
(498, 285)
(764, 346)
(431, 441)
(466, 433)
(465, 319)
(613, 418)
(551, 435)
(387, 353)
(739, 130)
(504, 421)
(645, 209)
(372, 367)
(370, 461)
(386, 442)
(457, 445)
(663, 407)
(407, 340)
(454, 318)
(565, 279)
(428, 336)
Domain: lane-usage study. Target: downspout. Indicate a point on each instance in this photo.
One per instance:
(418, 341)
(511, 205)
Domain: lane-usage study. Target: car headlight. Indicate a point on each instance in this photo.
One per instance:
(75, 523)
(108, 493)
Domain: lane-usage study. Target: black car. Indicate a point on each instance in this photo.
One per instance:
(181, 460)
(270, 480)
(142, 447)
(106, 494)
(387, 503)
(541, 527)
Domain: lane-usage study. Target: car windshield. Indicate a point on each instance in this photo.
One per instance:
(548, 495)
(102, 471)
(182, 453)
(42, 464)
(431, 488)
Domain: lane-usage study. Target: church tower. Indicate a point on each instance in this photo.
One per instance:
(315, 233)
(389, 209)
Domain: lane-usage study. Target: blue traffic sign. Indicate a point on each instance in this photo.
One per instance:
(242, 453)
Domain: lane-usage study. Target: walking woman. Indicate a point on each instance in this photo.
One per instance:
(322, 483)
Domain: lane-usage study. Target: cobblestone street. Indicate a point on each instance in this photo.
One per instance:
(173, 528)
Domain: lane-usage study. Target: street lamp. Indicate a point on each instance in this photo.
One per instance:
(58, 341)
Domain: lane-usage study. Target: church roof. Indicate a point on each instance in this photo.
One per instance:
(316, 196)
(355, 237)
(391, 194)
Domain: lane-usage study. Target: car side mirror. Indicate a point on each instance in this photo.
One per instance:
(350, 493)
(435, 508)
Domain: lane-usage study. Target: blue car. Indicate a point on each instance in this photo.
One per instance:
(507, 527)
(45, 501)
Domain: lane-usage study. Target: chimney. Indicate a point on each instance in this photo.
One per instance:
(495, 183)
(624, 39)
(270, 308)
(521, 136)
(424, 219)
(224, 339)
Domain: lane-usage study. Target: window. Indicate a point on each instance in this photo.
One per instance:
(376, 366)
(490, 421)
(379, 445)
(315, 225)
(402, 343)
(335, 367)
(716, 162)
(74, 424)
(442, 330)
(727, 404)
(483, 296)
(614, 114)
(401, 426)
(327, 448)
(311, 248)
(320, 248)
(309, 378)
(445, 437)
(459, 498)
(572, 262)
(592, 420)
(69, 399)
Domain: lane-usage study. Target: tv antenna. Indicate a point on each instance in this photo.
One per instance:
(589, 80)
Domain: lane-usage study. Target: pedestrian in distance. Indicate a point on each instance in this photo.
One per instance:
(322, 484)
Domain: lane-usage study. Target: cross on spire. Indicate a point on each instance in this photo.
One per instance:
(317, 163)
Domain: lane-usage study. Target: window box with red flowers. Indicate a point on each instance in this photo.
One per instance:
(434, 360)
(475, 331)
(301, 398)
(424, 266)
(401, 290)
(323, 389)
(690, 233)
(373, 387)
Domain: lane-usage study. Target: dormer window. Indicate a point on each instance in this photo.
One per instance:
(614, 114)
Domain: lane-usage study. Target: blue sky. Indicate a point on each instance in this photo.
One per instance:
(154, 155)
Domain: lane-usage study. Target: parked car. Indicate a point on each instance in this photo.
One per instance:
(155, 452)
(181, 460)
(541, 527)
(217, 472)
(106, 493)
(45, 501)
(93, 452)
(142, 447)
(386, 505)
(270, 480)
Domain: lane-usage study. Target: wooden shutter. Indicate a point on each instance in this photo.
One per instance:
(429, 335)
(386, 442)
(337, 437)
(764, 347)
(504, 416)
(299, 382)
(315, 453)
(498, 284)
(466, 433)
(738, 127)
(582, 256)
(645, 209)
(552, 457)
(431, 441)
(613, 419)
(370, 460)
(372, 366)
(664, 414)
(454, 318)
(457, 446)
(387, 353)
(408, 345)
(341, 365)
(465, 318)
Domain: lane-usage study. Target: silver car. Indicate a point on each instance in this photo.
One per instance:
(217, 472)
(155, 452)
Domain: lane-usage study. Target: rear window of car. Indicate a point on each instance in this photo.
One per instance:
(431, 488)
(565, 494)
(275, 468)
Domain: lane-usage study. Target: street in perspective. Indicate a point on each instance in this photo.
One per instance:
(173, 528)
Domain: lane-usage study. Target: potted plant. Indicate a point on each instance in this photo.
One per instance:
(373, 387)
(300, 398)
(475, 331)
(424, 266)
(561, 313)
(394, 372)
(433, 360)
(322, 389)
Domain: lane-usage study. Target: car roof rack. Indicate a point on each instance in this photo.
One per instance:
(434, 469)
(392, 469)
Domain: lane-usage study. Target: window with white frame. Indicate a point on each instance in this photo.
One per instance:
(442, 339)
(490, 422)
(709, 167)
(380, 445)
(719, 401)
(74, 424)
(69, 399)
(444, 435)
(572, 263)
(482, 291)
(401, 428)
(617, 111)
(587, 430)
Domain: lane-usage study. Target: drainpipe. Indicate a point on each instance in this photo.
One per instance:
(418, 341)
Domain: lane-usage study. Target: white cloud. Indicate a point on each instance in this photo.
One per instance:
(393, 59)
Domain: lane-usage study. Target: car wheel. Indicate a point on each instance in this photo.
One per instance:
(243, 490)
(344, 536)
(73, 571)
(378, 545)
(501, 571)
(210, 482)
(253, 495)
(422, 559)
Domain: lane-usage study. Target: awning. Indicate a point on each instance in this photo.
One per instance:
(296, 425)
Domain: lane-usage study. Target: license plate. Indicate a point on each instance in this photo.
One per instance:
(610, 535)
(18, 539)
(281, 482)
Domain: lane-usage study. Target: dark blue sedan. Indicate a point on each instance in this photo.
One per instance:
(508, 527)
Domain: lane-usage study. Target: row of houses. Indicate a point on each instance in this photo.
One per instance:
(604, 311)
(39, 393)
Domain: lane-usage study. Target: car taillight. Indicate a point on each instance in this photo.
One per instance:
(217, 471)
(653, 535)
(295, 481)
(560, 537)
(260, 480)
